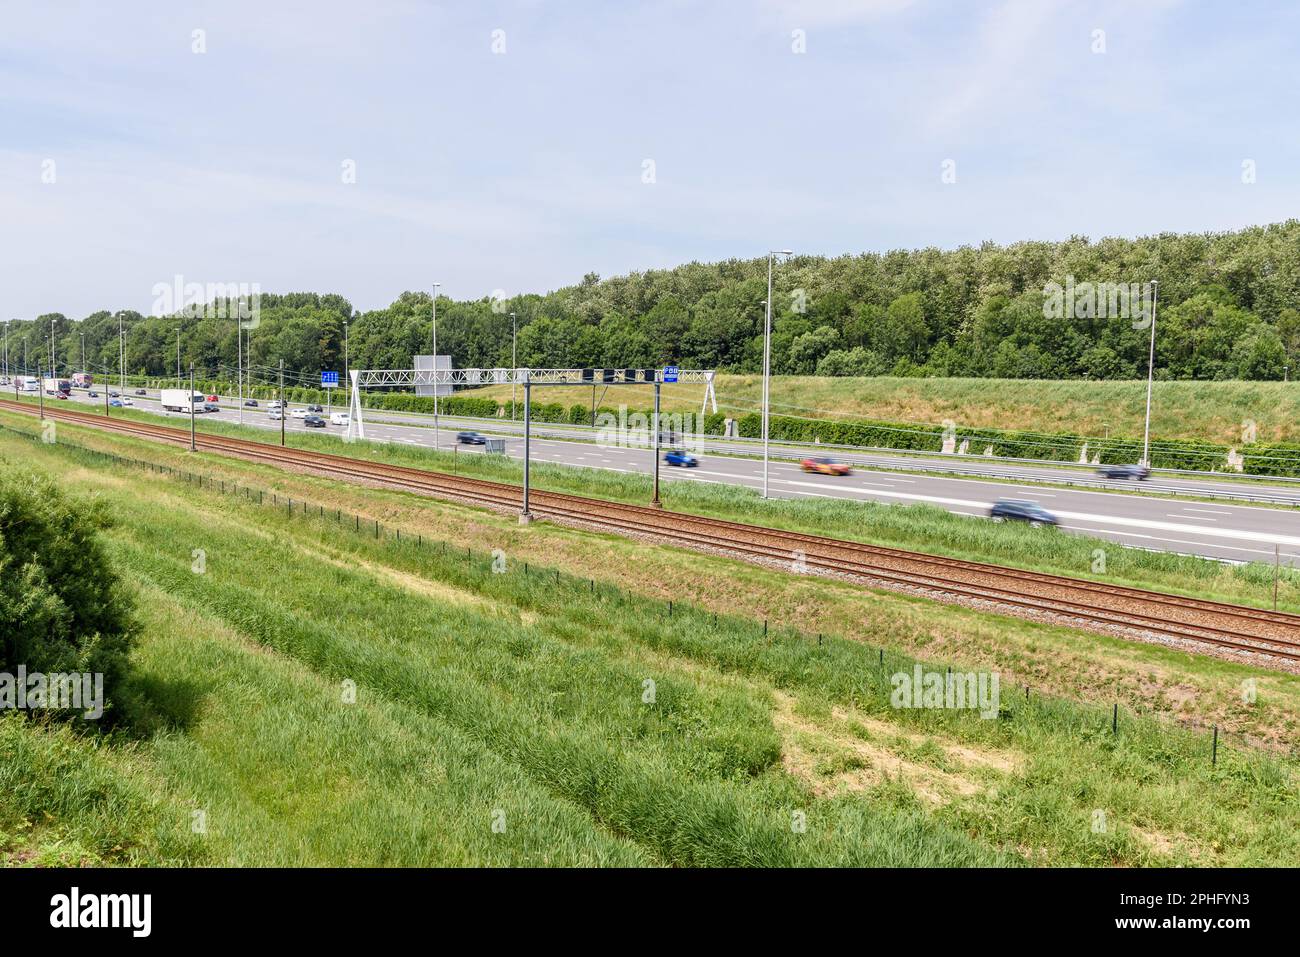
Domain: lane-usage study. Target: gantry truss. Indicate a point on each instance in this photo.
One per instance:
(410, 378)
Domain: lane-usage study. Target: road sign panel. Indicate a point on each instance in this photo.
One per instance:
(329, 380)
(670, 373)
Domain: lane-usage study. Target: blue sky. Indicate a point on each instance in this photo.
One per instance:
(522, 170)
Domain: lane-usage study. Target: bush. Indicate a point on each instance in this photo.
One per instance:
(62, 608)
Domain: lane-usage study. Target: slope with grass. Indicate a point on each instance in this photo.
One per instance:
(1204, 411)
(506, 714)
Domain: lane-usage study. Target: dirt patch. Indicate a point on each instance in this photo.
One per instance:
(832, 761)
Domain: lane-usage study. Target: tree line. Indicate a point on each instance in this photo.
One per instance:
(1228, 308)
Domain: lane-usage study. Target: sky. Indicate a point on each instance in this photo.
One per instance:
(370, 147)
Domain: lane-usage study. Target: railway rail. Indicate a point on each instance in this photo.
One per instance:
(1237, 628)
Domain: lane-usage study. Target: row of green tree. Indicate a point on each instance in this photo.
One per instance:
(1229, 308)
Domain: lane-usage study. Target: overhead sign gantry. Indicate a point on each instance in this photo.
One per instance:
(410, 378)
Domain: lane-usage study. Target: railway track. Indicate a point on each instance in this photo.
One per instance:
(1238, 628)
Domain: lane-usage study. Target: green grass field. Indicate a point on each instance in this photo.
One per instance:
(1210, 411)
(524, 717)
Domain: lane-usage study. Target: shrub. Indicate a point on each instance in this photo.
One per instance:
(62, 608)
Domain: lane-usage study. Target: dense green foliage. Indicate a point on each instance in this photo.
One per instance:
(62, 608)
(1229, 308)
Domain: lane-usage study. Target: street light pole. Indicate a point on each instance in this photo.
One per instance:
(121, 357)
(1151, 365)
(346, 378)
(435, 364)
(83, 352)
(767, 356)
(283, 411)
(191, 406)
(178, 357)
(239, 363)
(514, 365)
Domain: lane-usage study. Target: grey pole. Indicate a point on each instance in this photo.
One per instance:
(435, 364)
(239, 363)
(656, 503)
(191, 406)
(526, 515)
(178, 356)
(283, 411)
(121, 357)
(767, 357)
(1151, 365)
(514, 366)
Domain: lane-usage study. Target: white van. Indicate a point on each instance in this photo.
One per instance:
(340, 418)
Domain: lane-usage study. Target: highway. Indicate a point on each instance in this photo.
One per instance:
(1219, 529)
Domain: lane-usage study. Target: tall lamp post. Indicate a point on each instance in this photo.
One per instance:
(346, 378)
(178, 357)
(6, 348)
(121, 356)
(435, 364)
(514, 363)
(83, 352)
(1151, 365)
(767, 355)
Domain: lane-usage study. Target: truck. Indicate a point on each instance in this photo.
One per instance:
(55, 386)
(83, 380)
(182, 400)
(27, 383)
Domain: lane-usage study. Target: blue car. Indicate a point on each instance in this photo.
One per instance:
(116, 403)
(681, 457)
(1018, 511)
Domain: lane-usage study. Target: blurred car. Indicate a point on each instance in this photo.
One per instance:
(340, 418)
(471, 438)
(113, 393)
(824, 466)
(126, 401)
(211, 407)
(116, 403)
(212, 398)
(1138, 472)
(315, 408)
(139, 392)
(1015, 510)
(275, 414)
(60, 395)
(275, 404)
(93, 394)
(297, 413)
(681, 457)
(251, 402)
(314, 422)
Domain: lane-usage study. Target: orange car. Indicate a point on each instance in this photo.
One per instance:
(825, 467)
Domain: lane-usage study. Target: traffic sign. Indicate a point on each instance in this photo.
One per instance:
(329, 380)
(670, 373)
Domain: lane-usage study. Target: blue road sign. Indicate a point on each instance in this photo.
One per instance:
(329, 380)
(670, 373)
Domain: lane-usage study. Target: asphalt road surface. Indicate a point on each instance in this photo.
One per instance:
(1221, 529)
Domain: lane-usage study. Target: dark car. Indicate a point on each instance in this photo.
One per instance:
(1138, 472)
(139, 391)
(251, 402)
(1008, 509)
(113, 393)
(314, 422)
(93, 394)
(681, 457)
(211, 407)
(315, 408)
(471, 438)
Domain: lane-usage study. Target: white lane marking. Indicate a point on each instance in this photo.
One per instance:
(1194, 518)
(1208, 511)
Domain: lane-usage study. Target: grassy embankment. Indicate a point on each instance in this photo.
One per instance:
(487, 698)
(1209, 411)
